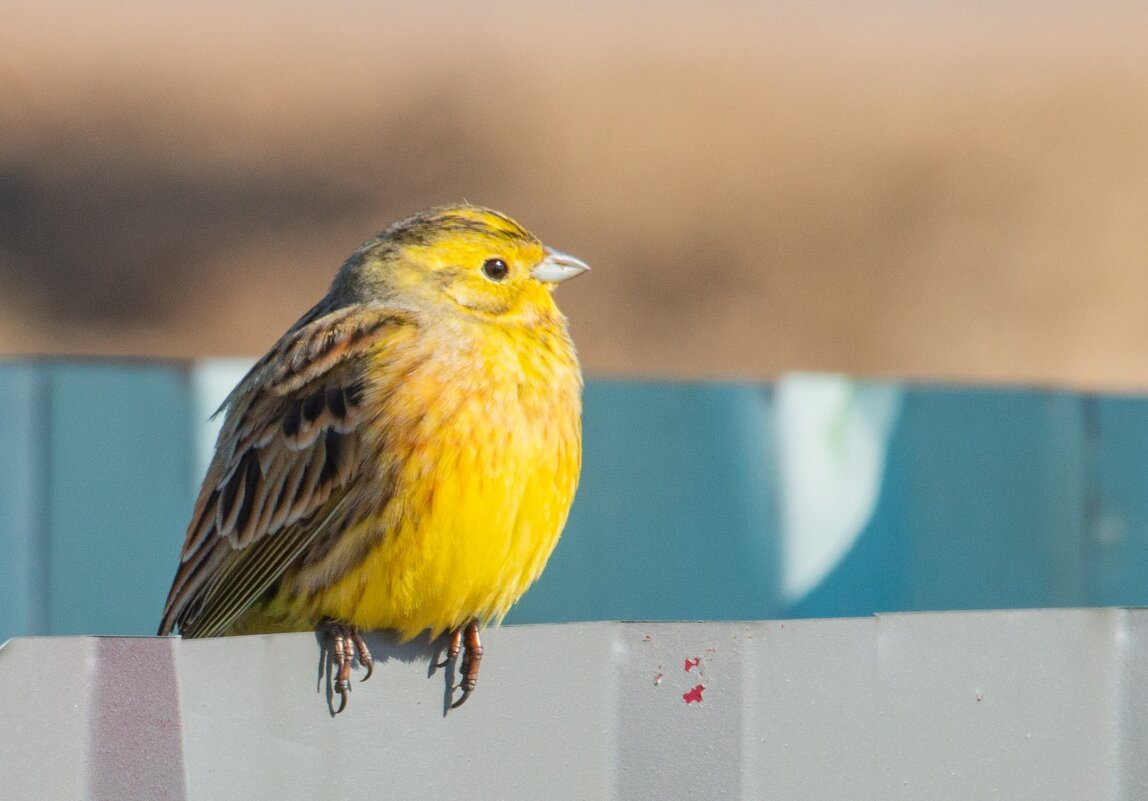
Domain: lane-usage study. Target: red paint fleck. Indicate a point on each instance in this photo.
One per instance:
(658, 679)
(647, 638)
(694, 696)
(691, 664)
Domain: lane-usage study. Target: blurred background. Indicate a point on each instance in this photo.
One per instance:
(906, 194)
(924, 190)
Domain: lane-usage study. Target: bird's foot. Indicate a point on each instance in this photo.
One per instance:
(467, 640)
(346, 642)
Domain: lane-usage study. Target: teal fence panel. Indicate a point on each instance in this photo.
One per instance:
(995, 484)
(23, 518)
(982, 505)
(675, 517)
(1115, 555)
(119, 491)
(816, 496)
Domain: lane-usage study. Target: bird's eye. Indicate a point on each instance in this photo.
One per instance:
(495, 269)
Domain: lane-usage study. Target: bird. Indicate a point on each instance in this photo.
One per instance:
(403, 458)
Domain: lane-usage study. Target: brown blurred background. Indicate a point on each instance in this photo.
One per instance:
(927, 190)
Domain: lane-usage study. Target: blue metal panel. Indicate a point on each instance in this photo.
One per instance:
(23, 542)
(1115, 552)
(676, 515)
(121, 450)
(994, 502)
(982, 506)
(981, 498)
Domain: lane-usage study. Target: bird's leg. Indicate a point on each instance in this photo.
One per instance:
(342, 664)
(471, 659)
(345, 642)
(453, 649)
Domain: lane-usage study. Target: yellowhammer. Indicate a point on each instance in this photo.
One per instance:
(403, 458)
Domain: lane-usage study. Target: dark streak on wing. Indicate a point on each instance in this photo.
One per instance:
(252, 476)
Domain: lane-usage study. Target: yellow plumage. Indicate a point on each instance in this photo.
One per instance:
(405, 457)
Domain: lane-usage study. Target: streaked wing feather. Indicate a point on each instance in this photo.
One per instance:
(288, 450)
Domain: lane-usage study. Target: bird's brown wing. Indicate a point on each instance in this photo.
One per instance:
(290, 446)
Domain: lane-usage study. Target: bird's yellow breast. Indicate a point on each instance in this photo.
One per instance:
(478, 436)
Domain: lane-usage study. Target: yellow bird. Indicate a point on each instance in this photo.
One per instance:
(403, 458)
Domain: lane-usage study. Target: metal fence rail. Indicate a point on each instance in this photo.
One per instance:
(1043, 705)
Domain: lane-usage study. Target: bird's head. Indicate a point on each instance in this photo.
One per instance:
(458, 258)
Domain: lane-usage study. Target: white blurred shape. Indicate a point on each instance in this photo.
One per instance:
(211, 381)
(833, 436)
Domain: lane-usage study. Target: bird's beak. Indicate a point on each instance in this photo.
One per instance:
(558, 267)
